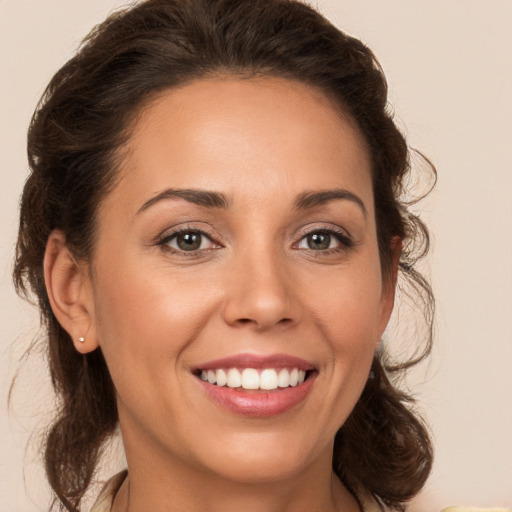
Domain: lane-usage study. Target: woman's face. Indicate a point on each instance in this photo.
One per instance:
(241, 236)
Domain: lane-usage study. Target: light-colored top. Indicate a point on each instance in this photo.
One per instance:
(473, 509)
(107, 495)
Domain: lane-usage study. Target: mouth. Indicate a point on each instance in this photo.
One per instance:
(257, 386)
(253, 379)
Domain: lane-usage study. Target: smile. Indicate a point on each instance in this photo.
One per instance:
(252, 379)
(257, 386)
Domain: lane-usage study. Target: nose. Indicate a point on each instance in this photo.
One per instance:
(260, 293)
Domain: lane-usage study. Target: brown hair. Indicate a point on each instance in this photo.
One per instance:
(84, 117)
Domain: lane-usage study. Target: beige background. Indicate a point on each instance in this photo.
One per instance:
(449, 67)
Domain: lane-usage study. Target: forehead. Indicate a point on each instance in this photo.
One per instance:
(249, 138)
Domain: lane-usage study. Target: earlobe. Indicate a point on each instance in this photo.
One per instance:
(69, 291)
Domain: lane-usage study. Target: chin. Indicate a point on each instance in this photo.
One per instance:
(262, 460)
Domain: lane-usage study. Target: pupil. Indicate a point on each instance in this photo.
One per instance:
(319, 241)
(189, 241)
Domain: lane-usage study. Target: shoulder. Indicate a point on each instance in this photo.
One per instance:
(106, 496)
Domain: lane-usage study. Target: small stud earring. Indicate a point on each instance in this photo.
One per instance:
(81, 339)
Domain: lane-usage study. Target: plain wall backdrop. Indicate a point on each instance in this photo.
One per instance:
(449, 66)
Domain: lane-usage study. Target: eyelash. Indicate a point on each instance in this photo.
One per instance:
(342, 237)
(167, 238)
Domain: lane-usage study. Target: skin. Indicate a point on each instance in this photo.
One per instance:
(254, 286)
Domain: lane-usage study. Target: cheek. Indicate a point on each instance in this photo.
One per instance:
(349, 315)
(348, 306)
(353, 334)
(145, 318)
(345, 316)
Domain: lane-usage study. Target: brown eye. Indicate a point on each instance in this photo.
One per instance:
(189, 241)
(319, 241)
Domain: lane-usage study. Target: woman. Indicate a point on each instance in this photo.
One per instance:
(213, 229)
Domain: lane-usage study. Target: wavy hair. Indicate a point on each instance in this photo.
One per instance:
(85, 115)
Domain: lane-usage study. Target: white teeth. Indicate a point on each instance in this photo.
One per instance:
(268, 379)
(283, 379)
(234, 379)
(222, 378)
(250, 378)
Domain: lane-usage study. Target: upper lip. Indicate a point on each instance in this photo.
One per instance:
(258, 362)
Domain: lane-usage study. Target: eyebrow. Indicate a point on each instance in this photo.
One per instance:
(308, 200)
(200, 197)
(211, 199)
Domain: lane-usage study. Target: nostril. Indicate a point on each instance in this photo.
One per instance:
(245, 321)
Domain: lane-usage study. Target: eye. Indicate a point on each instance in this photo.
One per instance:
(188, 240)
(324, 240)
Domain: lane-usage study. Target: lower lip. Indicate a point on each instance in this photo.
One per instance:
(259, 404)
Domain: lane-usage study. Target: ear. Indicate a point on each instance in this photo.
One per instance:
(70, 293)
(389, 284)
